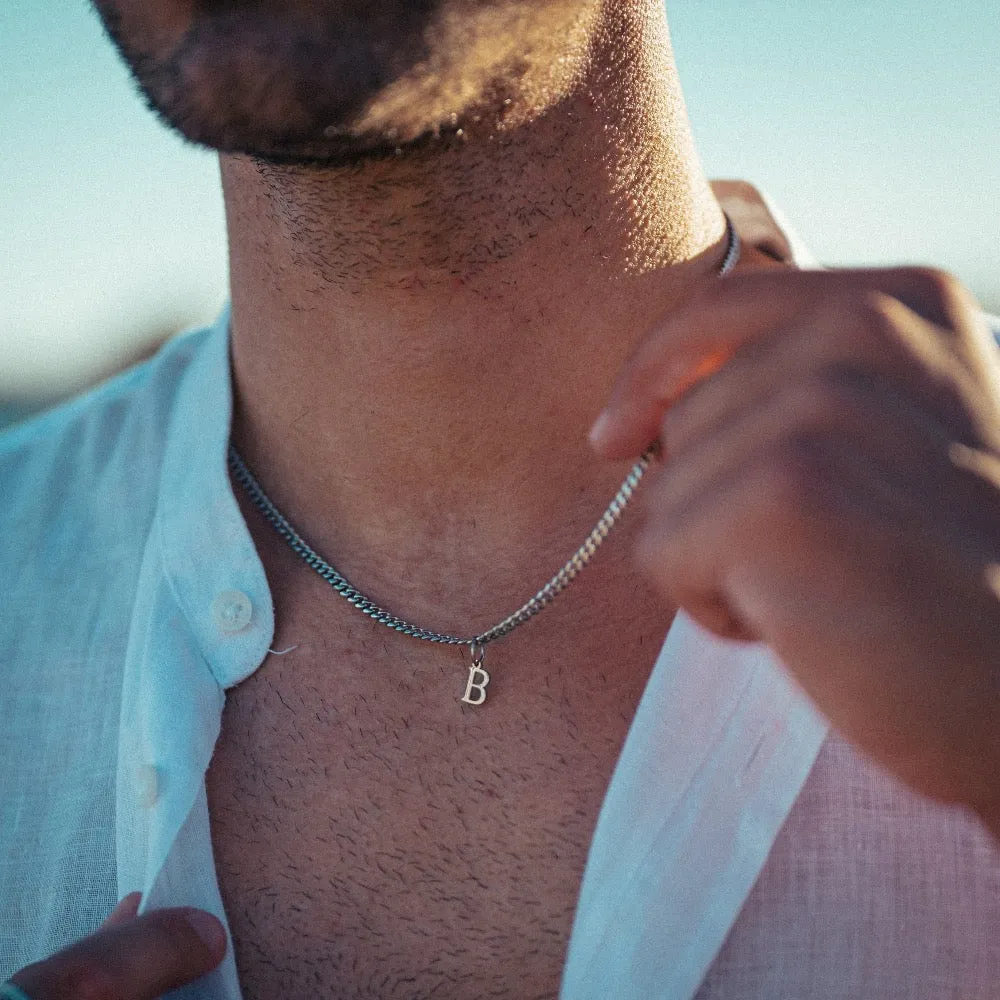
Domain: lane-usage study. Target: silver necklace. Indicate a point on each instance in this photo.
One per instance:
(478, 679)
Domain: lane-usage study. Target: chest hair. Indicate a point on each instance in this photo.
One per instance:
(364, 854)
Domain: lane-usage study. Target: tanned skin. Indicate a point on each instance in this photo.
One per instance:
(449, 224)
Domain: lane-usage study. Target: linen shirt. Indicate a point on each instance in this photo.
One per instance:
(742, 850)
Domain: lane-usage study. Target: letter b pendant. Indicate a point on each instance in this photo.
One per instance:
(475, 689)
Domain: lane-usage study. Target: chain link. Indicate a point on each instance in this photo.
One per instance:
(530, 608)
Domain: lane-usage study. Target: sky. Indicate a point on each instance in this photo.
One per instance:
(875, 127)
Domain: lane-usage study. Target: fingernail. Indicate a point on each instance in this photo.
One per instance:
(208, 929)
(600, 428)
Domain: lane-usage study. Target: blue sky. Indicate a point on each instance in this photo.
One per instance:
(874, 126)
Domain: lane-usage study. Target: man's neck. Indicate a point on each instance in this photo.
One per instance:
(421, 344)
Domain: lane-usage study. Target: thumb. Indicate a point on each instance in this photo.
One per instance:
(138, 959)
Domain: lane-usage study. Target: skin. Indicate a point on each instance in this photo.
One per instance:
(423, 339)
(832, 488)
(451, 227)
(388, 316)
(129, 958)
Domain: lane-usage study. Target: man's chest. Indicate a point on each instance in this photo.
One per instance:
(367, 850)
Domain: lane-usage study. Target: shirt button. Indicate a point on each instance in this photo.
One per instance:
(147, 785)
(232, 611)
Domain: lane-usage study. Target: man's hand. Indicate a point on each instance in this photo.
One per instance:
(127, 958)
(830, 486)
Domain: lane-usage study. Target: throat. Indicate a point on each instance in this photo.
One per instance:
(477, 576)
(431, 339)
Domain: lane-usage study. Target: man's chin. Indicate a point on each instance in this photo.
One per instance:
(285, 85)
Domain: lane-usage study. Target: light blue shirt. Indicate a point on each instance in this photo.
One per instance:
(133, 598)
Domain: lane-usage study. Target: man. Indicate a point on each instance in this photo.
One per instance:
(453, 226)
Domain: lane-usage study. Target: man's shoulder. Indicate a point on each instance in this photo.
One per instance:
(132, 398)
(101, 447)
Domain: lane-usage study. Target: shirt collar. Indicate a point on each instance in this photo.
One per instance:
(208, 552)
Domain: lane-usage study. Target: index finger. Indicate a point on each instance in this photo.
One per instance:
(709, 328)
(138, 960)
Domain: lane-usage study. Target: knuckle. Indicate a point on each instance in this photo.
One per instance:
(868, 309)
(865, 324)
(938, 295)
(935, 283)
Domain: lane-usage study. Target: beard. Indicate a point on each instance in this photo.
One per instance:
(296, 81)
(280, 80)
